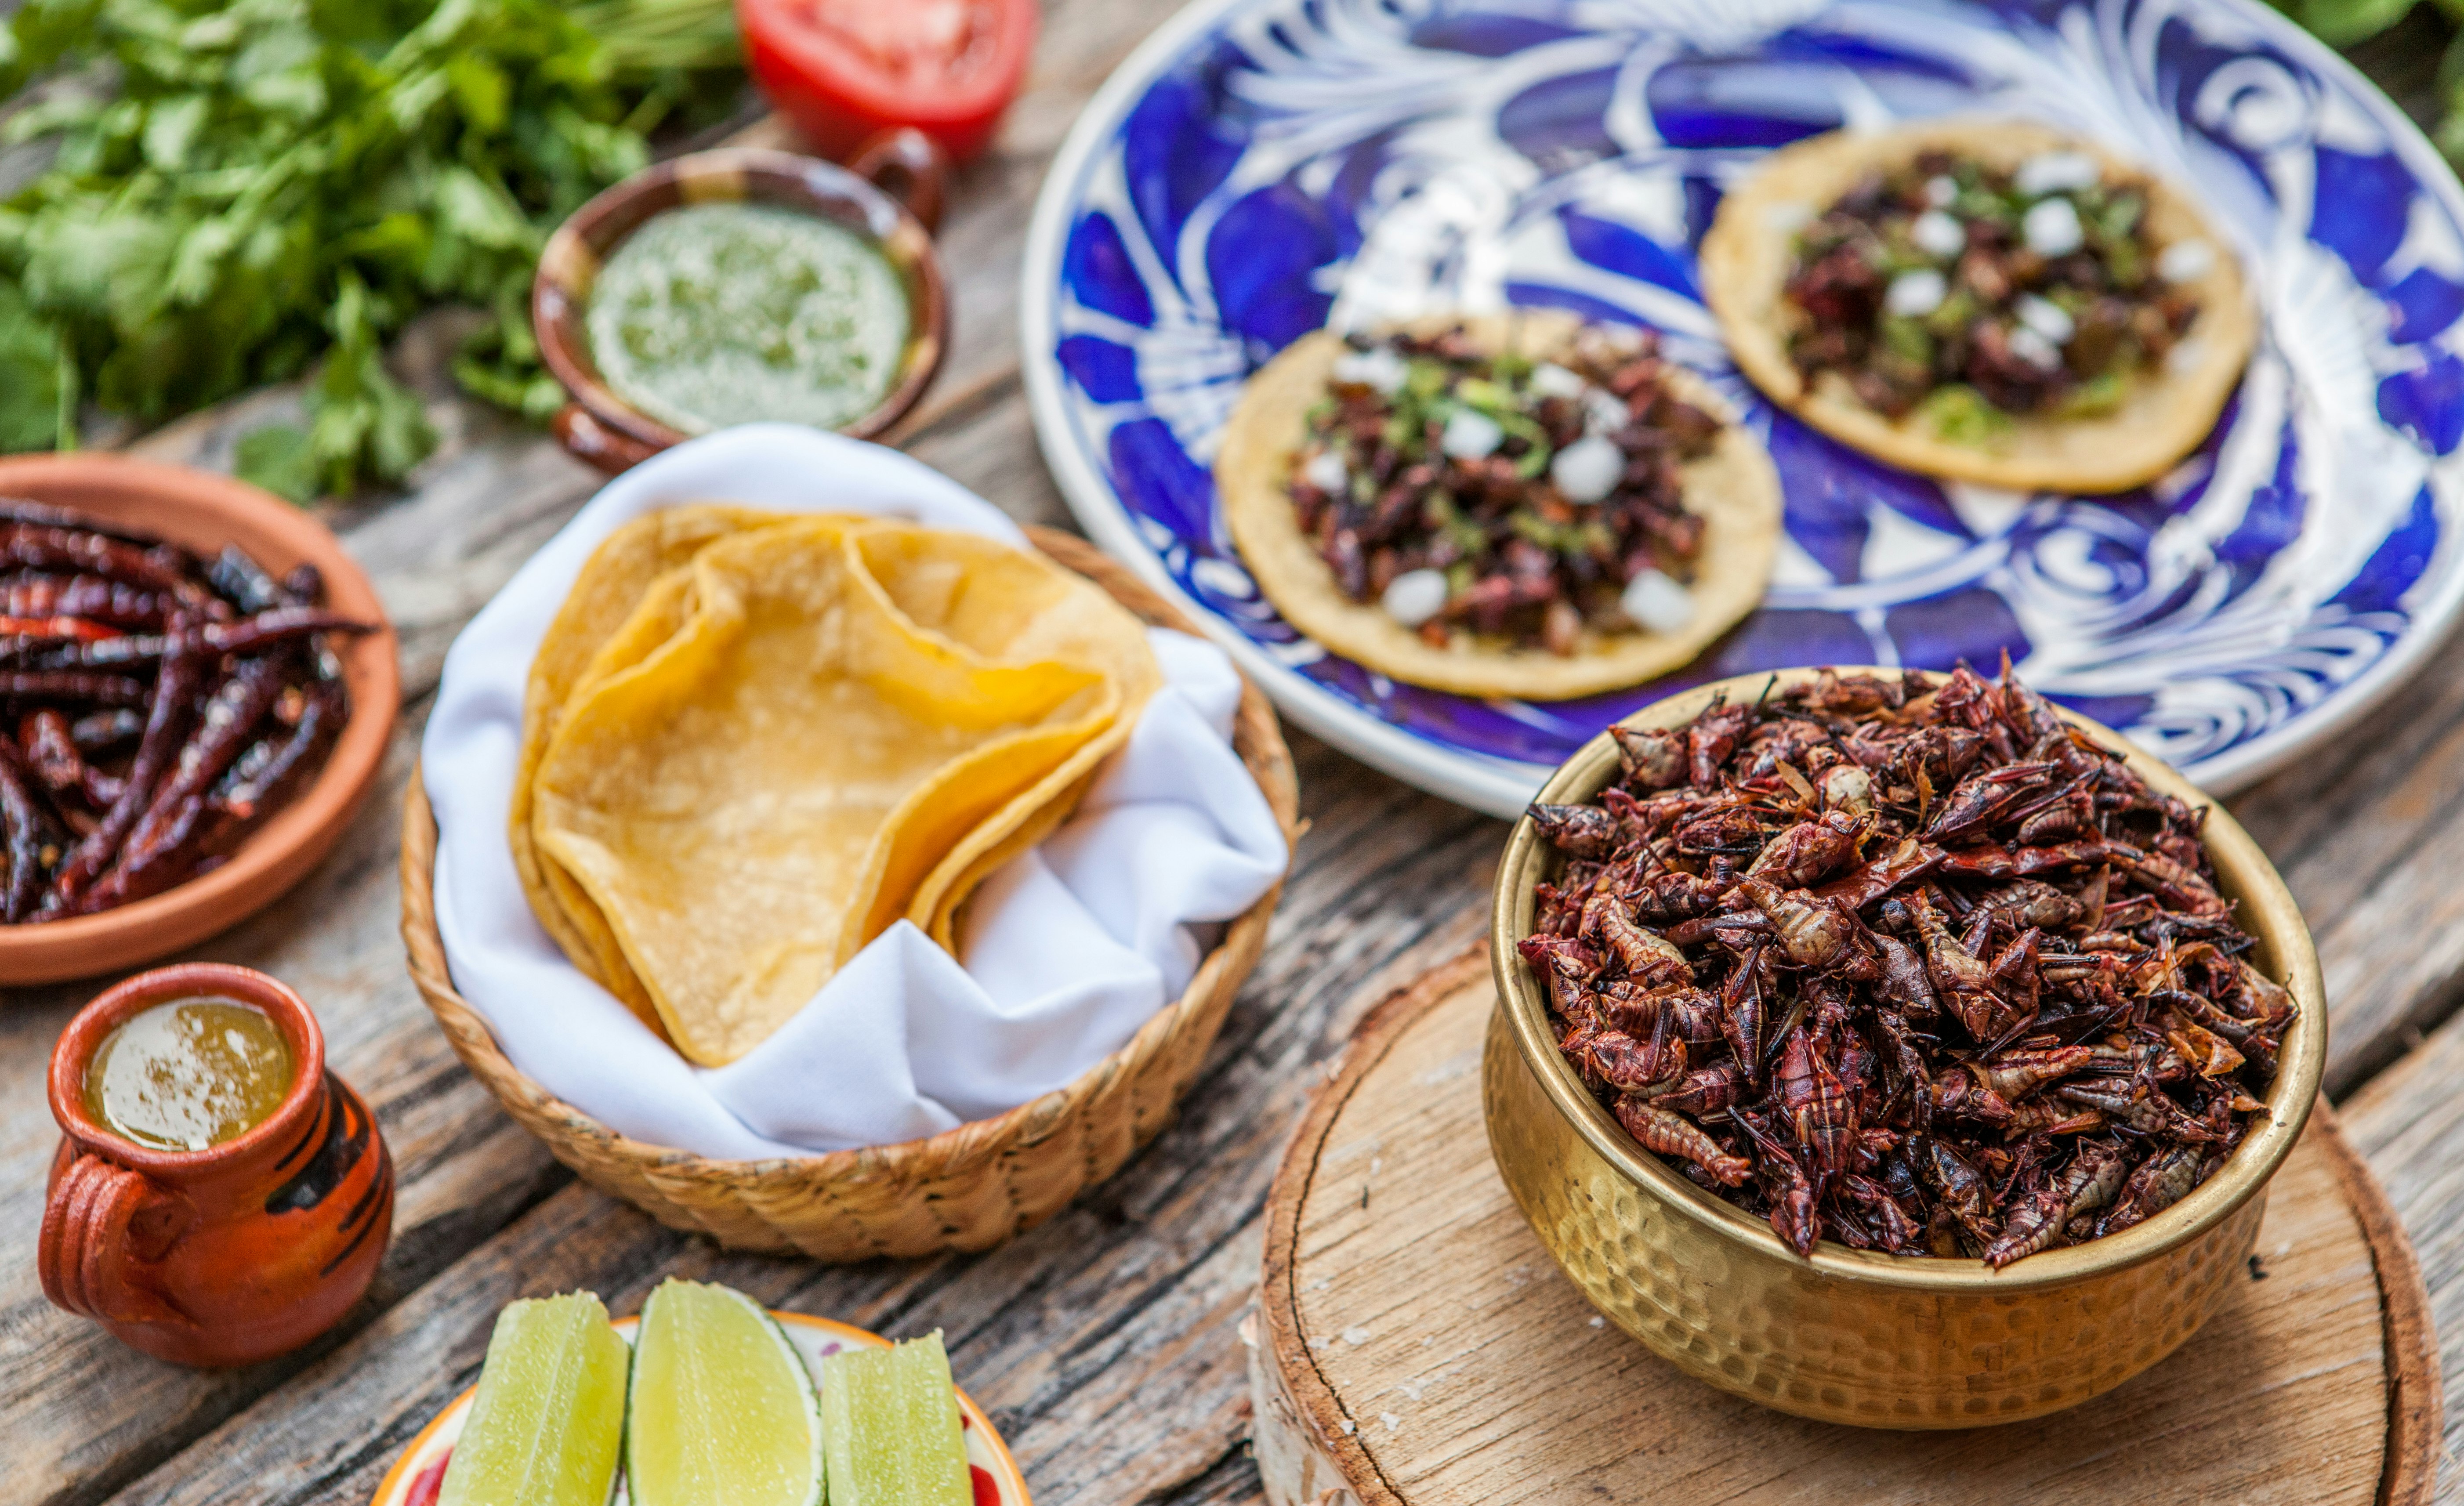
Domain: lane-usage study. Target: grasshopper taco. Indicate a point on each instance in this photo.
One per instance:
(1986, 300)
(1500, 506)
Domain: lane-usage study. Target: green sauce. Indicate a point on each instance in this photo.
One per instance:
(719, 313)
(189, 1074)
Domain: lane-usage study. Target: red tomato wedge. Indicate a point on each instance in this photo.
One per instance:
(844, 70)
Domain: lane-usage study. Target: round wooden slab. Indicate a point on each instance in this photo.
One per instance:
(1418, 1346)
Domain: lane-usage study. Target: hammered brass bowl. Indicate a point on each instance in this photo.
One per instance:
(1856, 1337)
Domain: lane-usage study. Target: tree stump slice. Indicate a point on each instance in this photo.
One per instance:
(1416, 1346)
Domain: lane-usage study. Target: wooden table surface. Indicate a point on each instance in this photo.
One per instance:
(1104, 1343)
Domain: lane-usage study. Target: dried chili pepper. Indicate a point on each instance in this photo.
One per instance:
(100, 602)
(248, 635)
(172, 819)
(74, 628)
(219, 673)
(166, 716)
(262, 773)
(21, 835)
(72, 684)
(243, 581)
(277, 625)
(51, 748)
(39, 546)
(1908, 965)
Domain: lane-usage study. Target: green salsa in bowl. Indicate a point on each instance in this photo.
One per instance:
(748, 313)
(740, 286)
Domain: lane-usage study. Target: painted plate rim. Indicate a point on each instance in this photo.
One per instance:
(424, 1448)
(1499, 787)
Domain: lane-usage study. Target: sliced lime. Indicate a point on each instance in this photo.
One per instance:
(550, 1411)
(723, 1411)
(890, 1418)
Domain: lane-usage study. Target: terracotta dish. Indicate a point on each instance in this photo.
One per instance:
(603, 428)
(203, 512)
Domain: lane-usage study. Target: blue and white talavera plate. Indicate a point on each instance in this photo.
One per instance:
(1260, 168)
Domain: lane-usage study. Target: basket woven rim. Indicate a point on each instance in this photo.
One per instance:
(1258, 739)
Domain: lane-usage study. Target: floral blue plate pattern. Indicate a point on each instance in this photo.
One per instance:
(1260, 168)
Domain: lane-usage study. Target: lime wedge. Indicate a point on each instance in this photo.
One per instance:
(722, 1411)
(890, 1420)
(550, 1411)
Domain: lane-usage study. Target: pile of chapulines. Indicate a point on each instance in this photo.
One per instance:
(1909, 965)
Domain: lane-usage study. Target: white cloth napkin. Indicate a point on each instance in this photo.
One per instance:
(1068, 950)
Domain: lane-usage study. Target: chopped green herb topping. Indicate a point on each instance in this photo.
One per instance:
(1499, 496)
(1968, 294)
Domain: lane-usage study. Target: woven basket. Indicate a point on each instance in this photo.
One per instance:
(966, 1189)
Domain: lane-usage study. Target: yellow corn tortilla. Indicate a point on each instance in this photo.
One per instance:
(1734, 490)
(611, 587)
(985, 598)
(1750, 250)
(663, 610)
(939, 919)
(770, 762)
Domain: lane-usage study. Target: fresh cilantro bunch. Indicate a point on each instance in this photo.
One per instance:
(248, 189)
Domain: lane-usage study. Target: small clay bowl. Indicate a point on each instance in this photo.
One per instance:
(602, 427)
(203, 512)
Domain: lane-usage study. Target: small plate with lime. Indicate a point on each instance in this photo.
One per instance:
(706, 1399)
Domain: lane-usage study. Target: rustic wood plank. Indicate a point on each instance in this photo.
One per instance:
(2408, 1122)
(1434, 1354)
(2364, 832)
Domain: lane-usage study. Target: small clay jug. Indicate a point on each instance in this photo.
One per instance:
(232, 1253)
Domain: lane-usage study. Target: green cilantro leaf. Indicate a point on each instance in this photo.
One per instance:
(248, 192)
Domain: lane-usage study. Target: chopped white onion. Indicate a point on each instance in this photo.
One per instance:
(1609, 344)
(2056, 172)
(1471, 435)
(2051, 228)
(1939, 235)
(1789, 217)
(2046, 318)
(2034, 349)
(2186, 261)
(1588, 470)
(1415, 597)
(1604, 412)
(1327, 473)
(1914, 294)
(1552, 381)
(1656, 602)
(1940, 190)
(1379, 369)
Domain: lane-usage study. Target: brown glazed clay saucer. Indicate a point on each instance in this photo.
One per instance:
(203, 512)
(603, 428)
